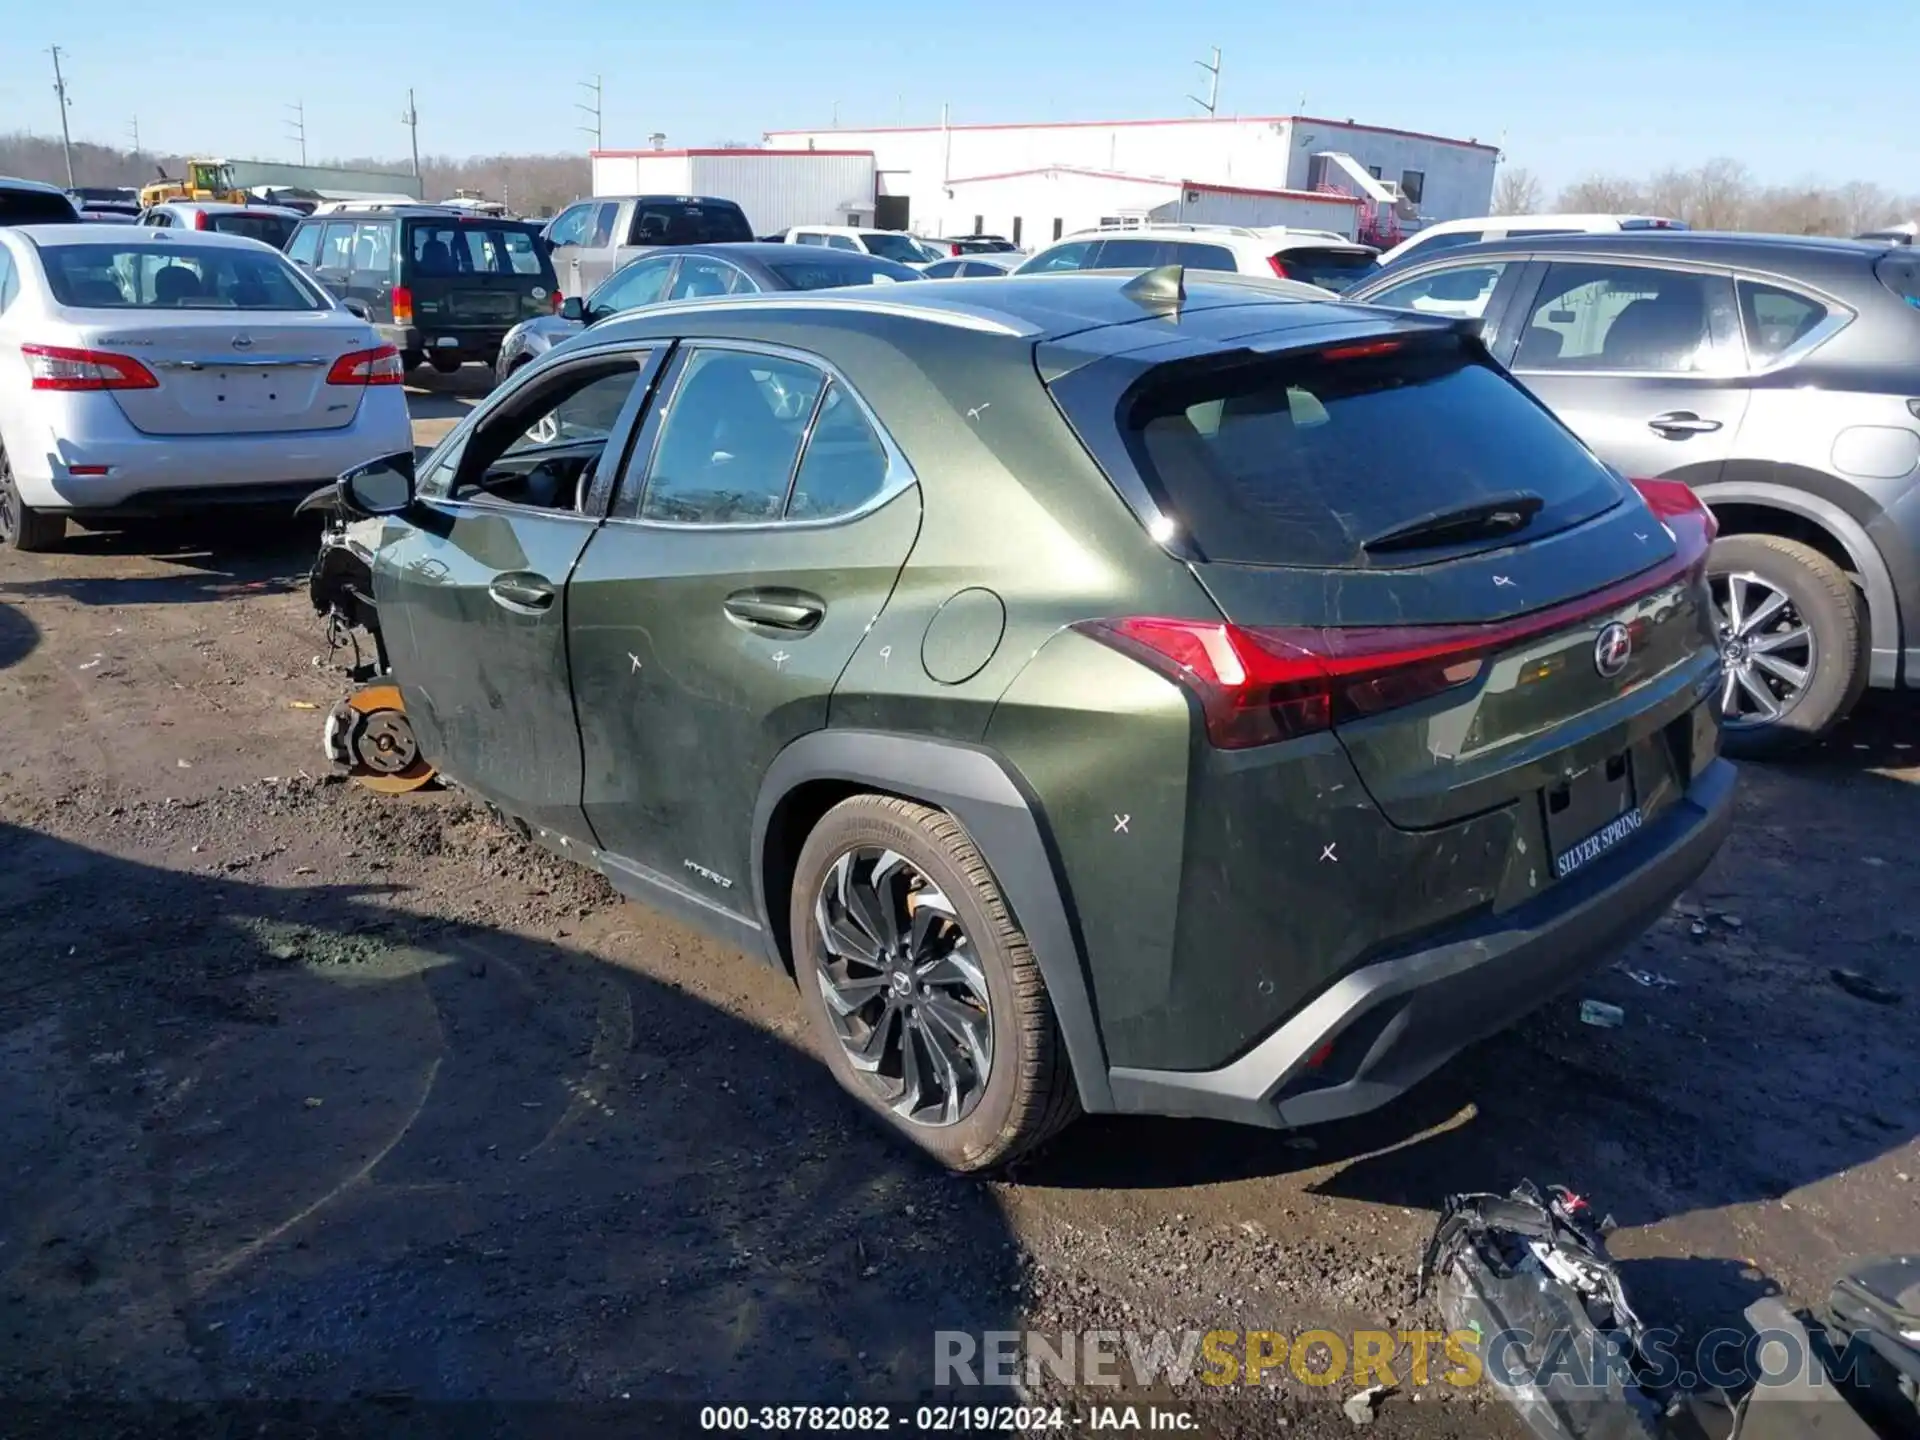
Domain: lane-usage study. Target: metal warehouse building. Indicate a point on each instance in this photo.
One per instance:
(777, 188)
(1030, 182)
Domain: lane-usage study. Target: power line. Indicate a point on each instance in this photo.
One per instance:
(1212, 102)
(593, 110)
(60, 89)
(296, 126)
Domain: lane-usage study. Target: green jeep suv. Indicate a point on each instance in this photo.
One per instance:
(1172, 695)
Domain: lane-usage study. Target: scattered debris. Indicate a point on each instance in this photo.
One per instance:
(1651, 979)
(91, 663)
(1301, 1142)
(301, 705)
(184, 764)
(1698, 929)
(1863, 987)
(1361, 1408)
(1602, 1015)
(1731, 922)
(313, 1102)
(1254, 1228)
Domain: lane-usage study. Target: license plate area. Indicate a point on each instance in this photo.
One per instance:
(1591, 813)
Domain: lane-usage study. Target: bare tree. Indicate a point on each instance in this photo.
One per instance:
(1600, 195)
(1516, 192)
(1722, 191)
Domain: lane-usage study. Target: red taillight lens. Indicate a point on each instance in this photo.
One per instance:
(58, 367)
(402, 305)
(558, 301)
(378, 366)
(1279, 267)
(1259, 685)
(200, 221)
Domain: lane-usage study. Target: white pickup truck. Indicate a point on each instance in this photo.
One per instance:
(593, 238)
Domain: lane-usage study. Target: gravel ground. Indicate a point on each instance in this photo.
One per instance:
(312, 1095)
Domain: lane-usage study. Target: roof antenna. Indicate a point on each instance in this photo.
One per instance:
(1162, 290)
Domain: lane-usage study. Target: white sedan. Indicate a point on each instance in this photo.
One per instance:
(144, 372)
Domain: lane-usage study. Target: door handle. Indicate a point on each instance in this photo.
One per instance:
(1682, 422)
(780, 610)
(522, 593)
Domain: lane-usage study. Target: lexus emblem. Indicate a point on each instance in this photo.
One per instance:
(1612, 648)
(243, 342)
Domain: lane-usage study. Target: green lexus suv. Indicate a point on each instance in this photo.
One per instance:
(1168, 695)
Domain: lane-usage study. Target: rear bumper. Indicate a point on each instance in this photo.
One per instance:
(1395, 1021)
(469, 342)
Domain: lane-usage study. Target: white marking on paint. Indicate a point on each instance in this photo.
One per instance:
(780, 658)
(1120, 823)
(1327, 853)
(636, 663)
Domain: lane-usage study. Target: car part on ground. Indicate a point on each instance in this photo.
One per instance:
(368, 736)
(1186, 617)
(155, 373)
(1776, 375)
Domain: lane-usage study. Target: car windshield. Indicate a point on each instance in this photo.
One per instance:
(34, 207)
(892, 245)
(1330, 269)
(457, 247)
(268, 229)
(825, 272)
(1302, 459)
(174, 277)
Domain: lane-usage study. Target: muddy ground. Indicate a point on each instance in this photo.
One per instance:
(311, 1095)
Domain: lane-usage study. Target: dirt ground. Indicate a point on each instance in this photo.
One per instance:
(311, 1095)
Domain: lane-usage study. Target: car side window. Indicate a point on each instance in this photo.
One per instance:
(336, 247)
(156, 218)
(603, 219)
(9, 286)
(844, 465)
(373, 249)
(1447, 240)
(1202, 257)
(540, 447)
(641, 283)
(570, 225)
(732, 432)
(1128, 255)
(1462, 292)
(305, 245)
(1617, 317)
(1775, 320)
(1070, 256)
(807, 237)
(843, 242)
(702, 275)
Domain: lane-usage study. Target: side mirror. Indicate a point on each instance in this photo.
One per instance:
(357, 307)
(379, 487)
(573, 308)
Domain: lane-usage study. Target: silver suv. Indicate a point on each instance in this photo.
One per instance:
(1779, 376)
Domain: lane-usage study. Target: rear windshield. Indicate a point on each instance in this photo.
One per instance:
(1900, 273)
(1330, 269)
(34, 207)
(174, 277)
(688, 222)
(1301, 460)
(827, 271)
(892, 245)
(268, 229)
(462, 247)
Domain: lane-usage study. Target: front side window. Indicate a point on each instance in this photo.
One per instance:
(602, 233)
(732, 434)
(569, 227)
(701, 276)
(642, 283)
(1462, 292)
(1070, 256)
(306, 245)
(540, 448)
(1618, 317)
(1776, 320)
(174, 277)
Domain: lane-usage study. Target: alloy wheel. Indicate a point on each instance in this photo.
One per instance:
(9, 502)
(1768, 652)
(903, 987)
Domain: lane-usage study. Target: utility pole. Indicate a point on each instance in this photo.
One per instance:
(133, 129)
(592, 110)
(1212, 102)
(297, 126)
(60, 89)
(412, 121)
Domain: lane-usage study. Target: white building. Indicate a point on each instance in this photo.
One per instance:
(1267, 170)
(777, 188)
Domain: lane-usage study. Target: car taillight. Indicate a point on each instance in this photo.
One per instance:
(200, 221)
(402, 305)
(558, 301)
(1258, 685)
(378, 366)
(1279, 267)
(59, 367)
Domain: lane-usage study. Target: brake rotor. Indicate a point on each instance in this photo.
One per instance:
(370, 734)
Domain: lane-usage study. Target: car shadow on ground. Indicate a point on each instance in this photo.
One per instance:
(222, 557)
(272, 1142)
(1746, 1067)
(19, 636)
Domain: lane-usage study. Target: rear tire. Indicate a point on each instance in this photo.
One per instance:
(1819, 599)
(446, 364)
(1028, 1094)
(412, 359)
(23, 528)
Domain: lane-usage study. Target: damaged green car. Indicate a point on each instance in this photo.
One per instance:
(1159, 695)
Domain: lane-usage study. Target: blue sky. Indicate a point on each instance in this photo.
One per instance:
(1630, 85)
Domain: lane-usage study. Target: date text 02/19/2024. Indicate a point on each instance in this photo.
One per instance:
(943, 1419)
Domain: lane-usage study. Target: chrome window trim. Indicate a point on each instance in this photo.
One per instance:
(899, 477)
(1839, 315)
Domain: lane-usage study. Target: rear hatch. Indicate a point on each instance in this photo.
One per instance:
(232, 340)
(475, 274)
(1411, 551)
(267, 228)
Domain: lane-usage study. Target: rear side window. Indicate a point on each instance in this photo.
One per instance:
(1900, 273)
(1776, 320)
(1127, 255)
(267, 229)
(1301, 460)
(1203, 257)
(1331, 269)
(683, 223)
